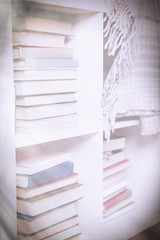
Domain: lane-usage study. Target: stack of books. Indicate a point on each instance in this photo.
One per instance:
(45, 76)
(47, 194)
(117, 195)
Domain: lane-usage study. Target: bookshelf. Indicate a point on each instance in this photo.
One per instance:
(86, 141)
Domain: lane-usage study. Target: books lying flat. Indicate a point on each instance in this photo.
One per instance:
(45, 111)
(38, 158)
(30, 225)
(115, 143)
(37, 39)
(28, 101)
(68, 233)
(45, 63)
(48, 201)
(29, 74)
(41, 52)
(113, 178)
(45, 87)
(123, 210)
(71, 222)
(124, 194)
(117, 207)
(115, 186)
(45, 176)
(44, 25)
(115, 157)
(115, 168)
(47, 187)
(46, 121)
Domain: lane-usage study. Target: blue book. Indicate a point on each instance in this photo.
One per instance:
(48, 175)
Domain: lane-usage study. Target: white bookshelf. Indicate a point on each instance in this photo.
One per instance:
(86, 141)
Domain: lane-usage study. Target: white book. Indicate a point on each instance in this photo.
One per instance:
(44, 111)
(114, 158)
(59, 227)
(109, 180)
(37, 39)
(116, 186)
(31, 160)
(65, 234)
(45, 99)
(45, 63)
(26, 193)
(116, 142)
(120, 212)
(44, 25)
(29, 74)
(30, 88)
(30, 225)
(117, 207)
(42, 52)
(42, 123)
(48, 201)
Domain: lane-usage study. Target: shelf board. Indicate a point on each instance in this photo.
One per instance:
(83, 128)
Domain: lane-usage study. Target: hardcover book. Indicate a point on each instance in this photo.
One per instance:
(29, 88)
(41, 73)
(26, 193)
(37, 39)
(42, 52)
(48, 201)
(31, 225)
(38, 158)
(45, 176)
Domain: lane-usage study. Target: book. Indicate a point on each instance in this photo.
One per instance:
(75, 237)
(42, 52)
(116, 142)
(31, 160)
(127, 208)
(30, 225)
(46, 129)
(21, 64)
(124, 194)
(29, 88)
(48, 201)
(52, 229)
(45, 111)
(26, 193)
(117, 207)
(68, 233)
(34, 100)
(115, 168)
(45, 176)
(115, 186)
(37, 39)
(28, 124)
(115, 157)
(115, 177)
(44, 25)
(28, 74)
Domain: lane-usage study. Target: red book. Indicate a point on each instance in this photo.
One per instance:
(117, 198)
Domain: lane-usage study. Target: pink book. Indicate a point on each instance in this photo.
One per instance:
(117, 198)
